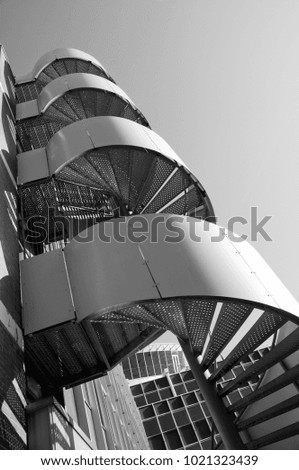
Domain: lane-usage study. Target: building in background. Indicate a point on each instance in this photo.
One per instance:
(153, 360)
(100, 414)
(174, 412)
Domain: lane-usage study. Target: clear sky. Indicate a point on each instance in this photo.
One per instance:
(217, 79)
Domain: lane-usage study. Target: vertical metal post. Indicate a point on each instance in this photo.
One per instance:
(223, 420)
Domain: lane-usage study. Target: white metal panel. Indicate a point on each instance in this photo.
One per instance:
(27, 110)
(46, 293)
(32, 166)
(61, 85)
(72, 141)
(51, 56)
(213, 268)
(106, 274)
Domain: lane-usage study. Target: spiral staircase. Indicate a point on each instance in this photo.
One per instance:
(92, 176)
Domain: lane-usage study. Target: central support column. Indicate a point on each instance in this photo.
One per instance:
(222, 419)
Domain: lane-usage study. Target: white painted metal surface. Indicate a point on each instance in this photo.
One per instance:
(106, 275)
(27, 110)
(49, 57)
(101, 131)
(58, 87)
(46, 293)
(32, 166)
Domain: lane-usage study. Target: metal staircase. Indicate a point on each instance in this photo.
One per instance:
(91, 165)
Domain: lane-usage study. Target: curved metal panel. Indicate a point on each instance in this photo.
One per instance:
(62, 85)
(100, 270)
(207, 268)
(102, 131)
(58, 87)
(51, 56)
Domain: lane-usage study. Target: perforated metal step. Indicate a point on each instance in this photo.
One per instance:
(35, 132)
(31, 90)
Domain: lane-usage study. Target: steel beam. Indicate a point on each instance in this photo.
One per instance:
(222, 419)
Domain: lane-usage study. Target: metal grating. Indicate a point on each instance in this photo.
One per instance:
(36, 132)
(54, 202)
(179, 182)
(73, 106)
(30, 91)
(265, 327)
(170, 313)
(160, 171)
(229, 321)
(62, 356)
(132, 314)
(132, 174)
(198, 315)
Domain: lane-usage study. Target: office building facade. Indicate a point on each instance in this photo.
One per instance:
(90, 169)
(174, 412)
(154, 360)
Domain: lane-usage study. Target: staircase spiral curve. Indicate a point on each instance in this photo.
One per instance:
(93, 178)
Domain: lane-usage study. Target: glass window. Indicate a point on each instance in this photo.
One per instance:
(188, 435)
(141, 364)
(173, 440)
(166, 422)
(157, 443)
(134, 367)
(189, 398)
(176, 378)
(151, 427)
(176, 403)
(156, 363)
(161, 407)
(162, 358)
(169, 362)
(149, 363)
(180, 389)
(187, 375)
(192, 385)
(149, 386)
(162, 383)
(202, 429)
(181, 417)
(195, 412)
(166, 393)
(194, 447)
(146, 412)
(140, 400)
(152, 397)
(136, 390)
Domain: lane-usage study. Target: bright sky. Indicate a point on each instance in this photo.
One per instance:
(217, 79)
